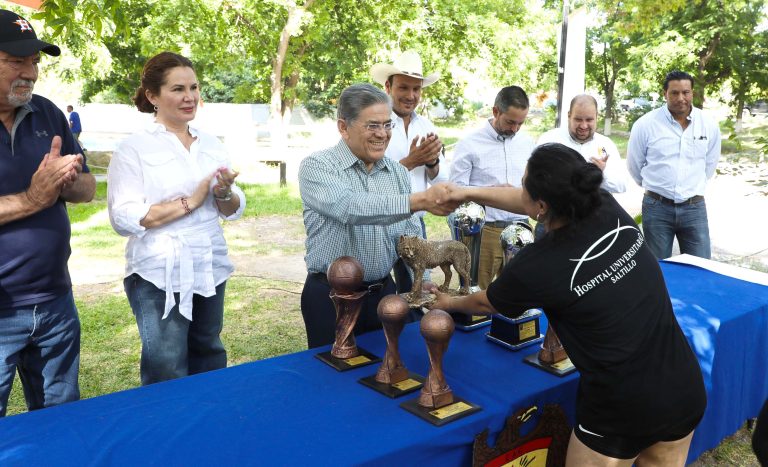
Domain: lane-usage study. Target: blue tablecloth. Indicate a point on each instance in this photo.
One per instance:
(295, 410)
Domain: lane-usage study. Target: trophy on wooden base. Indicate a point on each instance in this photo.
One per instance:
(551, 357)
(436, 403)
(393, 379)
(524, 330)
(345, 276)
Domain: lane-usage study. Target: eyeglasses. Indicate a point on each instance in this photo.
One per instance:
(374, 127)
(17, 63)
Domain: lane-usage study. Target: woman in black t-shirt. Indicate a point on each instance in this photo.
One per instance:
(641, 392)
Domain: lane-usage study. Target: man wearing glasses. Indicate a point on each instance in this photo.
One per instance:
(357, 203)
(39, 327)
(414, 140)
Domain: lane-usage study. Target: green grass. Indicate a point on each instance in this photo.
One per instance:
(437, 227)
(79, 212)
(271, 199)
(262, 200)
(449, 140)
(259, 323)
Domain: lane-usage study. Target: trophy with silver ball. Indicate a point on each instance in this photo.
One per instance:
(524, 330)
(467, 223)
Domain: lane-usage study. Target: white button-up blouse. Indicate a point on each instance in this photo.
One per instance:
(188, 255)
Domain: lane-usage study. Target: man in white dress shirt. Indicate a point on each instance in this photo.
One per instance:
(580, 135)
(672, 152)
(495, 155)
(414, 142)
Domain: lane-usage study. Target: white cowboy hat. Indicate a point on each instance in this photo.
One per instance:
(408, 64)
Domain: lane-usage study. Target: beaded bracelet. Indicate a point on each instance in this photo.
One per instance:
(184, 203)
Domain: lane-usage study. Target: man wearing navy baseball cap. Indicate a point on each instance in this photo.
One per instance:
(41, 169)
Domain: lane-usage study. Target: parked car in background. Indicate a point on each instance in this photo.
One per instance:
(757, 108)
(634, 103)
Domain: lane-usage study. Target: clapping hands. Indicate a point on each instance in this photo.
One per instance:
(55, 174)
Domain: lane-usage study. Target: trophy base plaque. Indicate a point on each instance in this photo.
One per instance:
(466, 322)
(343, 364)
(514, 347)
(459, 408)
(406, 386)
(516, 333)
(561, 368)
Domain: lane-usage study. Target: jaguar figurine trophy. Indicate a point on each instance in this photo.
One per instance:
(420, 254)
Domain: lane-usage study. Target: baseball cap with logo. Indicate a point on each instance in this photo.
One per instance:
(19, 39)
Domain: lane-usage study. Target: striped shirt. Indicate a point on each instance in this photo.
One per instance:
(670, 161)
(484, 158)
(349, 211)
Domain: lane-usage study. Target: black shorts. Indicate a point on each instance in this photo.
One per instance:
(626, 447)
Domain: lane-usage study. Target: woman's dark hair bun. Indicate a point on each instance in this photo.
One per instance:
(587, 178)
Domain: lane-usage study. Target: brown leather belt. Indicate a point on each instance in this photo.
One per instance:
(373, 286)
(671, 202)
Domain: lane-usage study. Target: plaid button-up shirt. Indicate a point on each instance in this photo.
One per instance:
(350, 211)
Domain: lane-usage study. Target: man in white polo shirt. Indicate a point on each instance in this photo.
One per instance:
(580, 135)
(495, 155)
(414, 142)
(672, 152)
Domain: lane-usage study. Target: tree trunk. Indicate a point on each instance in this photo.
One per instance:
(609, 107)
(739, 126)
(699, 89)
(292, 27)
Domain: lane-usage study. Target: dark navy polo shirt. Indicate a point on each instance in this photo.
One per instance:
(33, 250)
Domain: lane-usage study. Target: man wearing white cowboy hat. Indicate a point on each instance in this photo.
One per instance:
(414, 142)
(41, 169)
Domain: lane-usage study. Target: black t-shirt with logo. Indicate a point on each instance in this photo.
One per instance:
(604, 294)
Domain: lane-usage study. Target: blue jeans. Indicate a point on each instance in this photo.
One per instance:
(662, 222)
(176, 347)
(42, 342)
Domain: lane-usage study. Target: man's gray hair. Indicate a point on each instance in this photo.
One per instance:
(511, 96)
(357, 97)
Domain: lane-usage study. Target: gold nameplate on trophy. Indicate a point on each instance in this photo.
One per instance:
(355, 361)
(407, 384)
(563, 365)
(516, 333)
(527, 330)
(344, 364)
(452, 409)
